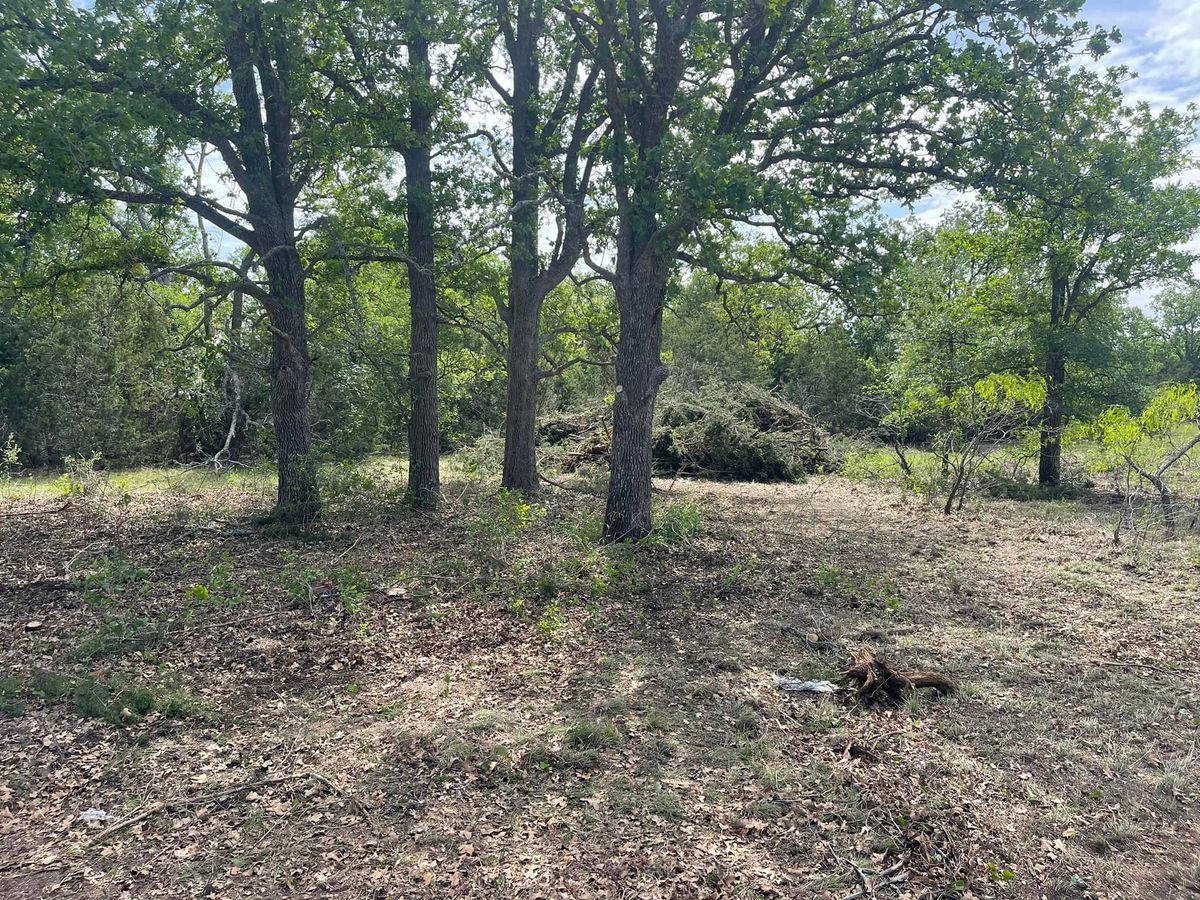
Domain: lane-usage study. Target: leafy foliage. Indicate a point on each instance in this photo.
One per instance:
(1158, 449)
(731, 432)
(966, 424)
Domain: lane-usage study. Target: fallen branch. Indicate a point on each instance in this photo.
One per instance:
(36, 512)
(889, 876)
(561, 485)
(229, 623)
(862, 876)
(127, 823)
(208, 799)
(1132, 664)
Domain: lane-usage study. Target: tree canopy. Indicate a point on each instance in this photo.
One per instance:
(558, 193)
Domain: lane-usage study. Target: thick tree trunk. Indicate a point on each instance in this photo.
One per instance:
(424, 437)
(524, 310)
(1050, 438)
(298, 500)
(640, 373)
(520, 423)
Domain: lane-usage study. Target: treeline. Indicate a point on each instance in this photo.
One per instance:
(306, 229)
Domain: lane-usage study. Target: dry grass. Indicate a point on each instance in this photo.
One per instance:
(484, 703)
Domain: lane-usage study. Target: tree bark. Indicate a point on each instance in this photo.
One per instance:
(1169, 513)
(298, 500)
(265, 173)
(1050, 436)
(520, 422)
(424, 437)
(640, 372)
(524, 295)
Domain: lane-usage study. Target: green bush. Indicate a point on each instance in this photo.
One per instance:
(119, 637)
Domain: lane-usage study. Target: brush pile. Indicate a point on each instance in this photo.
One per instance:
(725, 432)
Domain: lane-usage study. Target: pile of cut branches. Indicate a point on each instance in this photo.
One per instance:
(726, 432)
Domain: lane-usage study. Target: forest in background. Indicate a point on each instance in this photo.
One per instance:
(313, 234)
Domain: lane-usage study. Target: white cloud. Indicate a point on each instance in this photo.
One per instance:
(1175, 30)
(1161, 45)
(931, 209)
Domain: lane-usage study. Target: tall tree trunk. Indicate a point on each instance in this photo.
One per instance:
(640, 372)
(524, 297)
(424, 438)
(520, 422)
(1050, 437)
(298, 500)
(264, 172)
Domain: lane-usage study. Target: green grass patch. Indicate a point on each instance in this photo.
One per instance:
(592, 736)
(118, 701)
(119, 637)
(112, 577)
(674, 523)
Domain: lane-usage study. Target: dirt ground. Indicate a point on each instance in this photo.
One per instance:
(484, 703)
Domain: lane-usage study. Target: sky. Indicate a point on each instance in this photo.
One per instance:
(1160, 40)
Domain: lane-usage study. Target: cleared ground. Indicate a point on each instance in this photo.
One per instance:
(484, 703)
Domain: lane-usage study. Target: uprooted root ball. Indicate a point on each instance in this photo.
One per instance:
(878, 683)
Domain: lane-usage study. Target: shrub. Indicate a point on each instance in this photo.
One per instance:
(10, 456)
(968, 424)
(80, 477)
(496, 519)
(1156, 453)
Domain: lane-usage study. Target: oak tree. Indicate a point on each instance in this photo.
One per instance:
(782, 116)
(109, 97)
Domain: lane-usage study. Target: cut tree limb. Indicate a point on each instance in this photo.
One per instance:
(207, 799)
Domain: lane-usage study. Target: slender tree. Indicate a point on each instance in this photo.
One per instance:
(424, 434)
(552, 157)
(405, 69)
(112, 96)
(781, 116)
